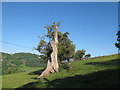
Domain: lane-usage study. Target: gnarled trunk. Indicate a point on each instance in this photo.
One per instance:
(52, 64)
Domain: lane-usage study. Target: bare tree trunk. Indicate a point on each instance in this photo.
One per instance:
(52, 65)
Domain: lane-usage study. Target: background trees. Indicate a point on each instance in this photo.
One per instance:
(118, 39)
(79, 54)
(117, 44)
(87, 55)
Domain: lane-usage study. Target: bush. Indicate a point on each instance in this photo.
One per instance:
(64, 66)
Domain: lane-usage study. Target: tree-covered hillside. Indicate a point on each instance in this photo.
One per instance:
(12, 63)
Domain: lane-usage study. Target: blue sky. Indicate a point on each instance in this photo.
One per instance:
(92, 26)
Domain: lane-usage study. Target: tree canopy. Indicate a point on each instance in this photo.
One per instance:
(87, 55)
(66, 49)
(79, 54)
(117, 44)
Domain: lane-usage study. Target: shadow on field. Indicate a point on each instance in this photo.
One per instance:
(30, 85)
(100, 79)
(115, 62)
(38, 72)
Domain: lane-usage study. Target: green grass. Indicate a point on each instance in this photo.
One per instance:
(17, 79)
(100, 72)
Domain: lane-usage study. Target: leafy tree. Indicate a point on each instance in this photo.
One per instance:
(79, 54)
(87, 55)
(52, 63)
(66, 49)
(117, 44)
(58, 47)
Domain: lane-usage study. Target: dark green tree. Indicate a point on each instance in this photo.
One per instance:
(117, 44)
(66, 49)
(87, 55)
(79, 54)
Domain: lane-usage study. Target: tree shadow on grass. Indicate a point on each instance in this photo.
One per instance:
(30, 85)
(38, 72)
(100, 79)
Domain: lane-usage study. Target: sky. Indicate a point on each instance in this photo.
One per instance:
(92, 25)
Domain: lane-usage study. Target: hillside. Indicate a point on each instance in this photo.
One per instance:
(102, 72)
(20, 62)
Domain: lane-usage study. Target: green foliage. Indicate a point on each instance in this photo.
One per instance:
(45, 47)
(87, 55)
(66, 49)
(117, 44)
(64, 66)
(79, 54)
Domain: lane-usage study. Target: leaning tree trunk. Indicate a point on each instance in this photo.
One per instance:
(52, 64)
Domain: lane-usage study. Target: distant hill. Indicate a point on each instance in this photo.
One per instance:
(12, 63)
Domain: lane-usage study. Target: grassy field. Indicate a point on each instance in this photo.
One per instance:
(102, 72)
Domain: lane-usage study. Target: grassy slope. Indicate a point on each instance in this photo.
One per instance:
(96, 72)
(17, 79)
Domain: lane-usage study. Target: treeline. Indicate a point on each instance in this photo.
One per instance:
(11, 63)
